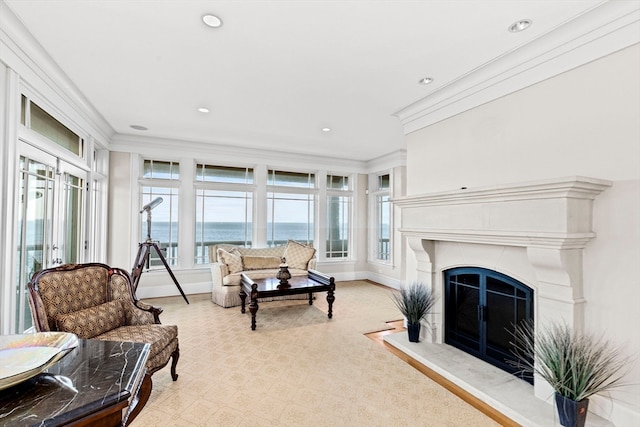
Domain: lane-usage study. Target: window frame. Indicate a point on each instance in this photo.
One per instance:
(173, 249)
(375, 194)
(348, 193)
(311, 191)
(249, 187)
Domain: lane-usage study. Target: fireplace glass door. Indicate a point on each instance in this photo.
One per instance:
(481, 308)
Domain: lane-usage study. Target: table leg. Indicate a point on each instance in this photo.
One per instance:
(243, 297)
(310, 298)
(253, 305)
(330, 299)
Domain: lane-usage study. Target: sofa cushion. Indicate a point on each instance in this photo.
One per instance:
(260, 262)
(213, 251)
(159, 336)
(270, 251)
(298, 255)
(93, 321)
(232, 259)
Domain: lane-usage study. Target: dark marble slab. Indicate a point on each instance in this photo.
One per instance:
(94, 375)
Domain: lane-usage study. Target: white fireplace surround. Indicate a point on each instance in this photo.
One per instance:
(532, 231)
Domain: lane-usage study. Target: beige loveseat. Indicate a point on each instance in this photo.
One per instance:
(228, 262)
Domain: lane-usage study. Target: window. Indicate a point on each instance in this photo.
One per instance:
(161, 180)
(98, 217)
(382, 203)
(339, 202)
(73, 214)
(224, 208)
(290, 207)
(38, 120)
(154, 169)
(291, 179)
(51, 220)
(225, 174)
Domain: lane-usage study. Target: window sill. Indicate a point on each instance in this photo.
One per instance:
(336, 261)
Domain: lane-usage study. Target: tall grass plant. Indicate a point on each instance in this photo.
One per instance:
(414, 302)
(577, 366)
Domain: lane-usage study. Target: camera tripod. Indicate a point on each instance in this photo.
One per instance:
(144, 250)
(142, 261)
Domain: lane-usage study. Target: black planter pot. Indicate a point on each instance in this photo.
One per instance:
(570, 412)
(414, 332)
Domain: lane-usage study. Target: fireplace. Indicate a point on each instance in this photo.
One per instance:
(533, 233)
(481, 309)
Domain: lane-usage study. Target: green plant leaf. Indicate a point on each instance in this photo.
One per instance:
(575, 365)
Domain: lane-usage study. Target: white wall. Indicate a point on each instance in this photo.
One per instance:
(120, 207)
(583, 122)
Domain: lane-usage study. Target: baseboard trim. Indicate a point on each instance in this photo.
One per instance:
(172, 290)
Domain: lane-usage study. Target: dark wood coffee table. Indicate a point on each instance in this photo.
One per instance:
(271, 287)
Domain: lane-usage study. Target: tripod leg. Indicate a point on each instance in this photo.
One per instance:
(164, 261)
(141, 259)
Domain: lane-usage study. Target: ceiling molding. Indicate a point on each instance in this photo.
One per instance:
(387, 161)
(609, 27)
(216, 153)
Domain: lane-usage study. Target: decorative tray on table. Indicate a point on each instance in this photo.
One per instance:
(25, 356)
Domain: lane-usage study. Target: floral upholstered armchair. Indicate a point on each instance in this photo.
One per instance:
(95, 301)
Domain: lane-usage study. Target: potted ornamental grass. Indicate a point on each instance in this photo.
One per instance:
(576, 366)
(414, 302)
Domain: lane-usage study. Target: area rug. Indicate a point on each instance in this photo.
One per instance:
(298, 368)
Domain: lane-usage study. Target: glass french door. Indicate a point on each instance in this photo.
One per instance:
(51, 204)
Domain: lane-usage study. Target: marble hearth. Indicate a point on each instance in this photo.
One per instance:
(534, 232)
(502, 391)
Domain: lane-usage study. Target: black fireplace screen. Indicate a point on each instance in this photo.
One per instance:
(481, 308)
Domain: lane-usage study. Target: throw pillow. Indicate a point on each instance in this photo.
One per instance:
(260, 262)
(93, 321)
(232, 259)
(298, 255)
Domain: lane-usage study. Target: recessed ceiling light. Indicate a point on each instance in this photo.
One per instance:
(212, 21)
(520, 25)
(203, 110)
(425, 80)
(326, 129)
(138, 127)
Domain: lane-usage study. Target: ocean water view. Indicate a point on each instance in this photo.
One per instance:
(206, 234)
(211, 232)
(221, 232)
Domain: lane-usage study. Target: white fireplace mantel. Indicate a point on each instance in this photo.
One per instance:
(550, 219)
(554, 214)
(539, 229)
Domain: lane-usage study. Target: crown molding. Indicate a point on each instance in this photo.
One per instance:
(216, 152)
(607, 28)
(387, 161)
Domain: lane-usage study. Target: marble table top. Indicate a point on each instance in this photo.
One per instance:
(94, 375)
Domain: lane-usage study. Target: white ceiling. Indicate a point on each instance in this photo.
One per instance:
(277, 72)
